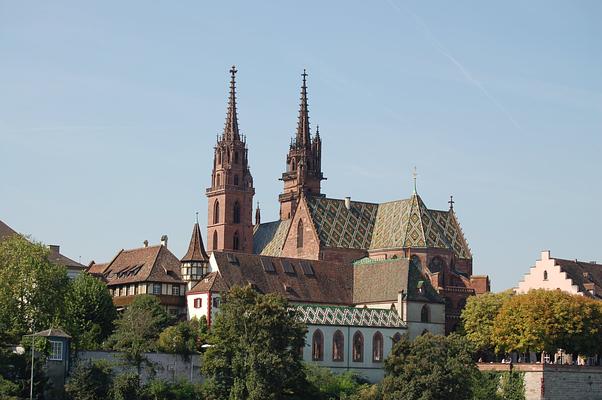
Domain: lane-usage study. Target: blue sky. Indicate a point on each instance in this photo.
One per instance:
(109, 113)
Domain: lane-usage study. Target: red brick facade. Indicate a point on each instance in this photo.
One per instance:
(230, 197)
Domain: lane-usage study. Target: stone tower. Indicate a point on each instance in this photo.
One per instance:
(230, 197)
(303, 162)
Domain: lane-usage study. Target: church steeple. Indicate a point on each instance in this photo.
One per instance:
(303, 133)
(231, 128)
(303, 163)
(229, 224)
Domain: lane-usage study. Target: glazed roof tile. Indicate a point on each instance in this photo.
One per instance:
(268, 238)
(349, 316)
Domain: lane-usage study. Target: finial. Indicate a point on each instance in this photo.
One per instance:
(451, 202)
(233, 71)
(304, 75)
(317, 130)
(414, 175)
(197, 217)
(231, 127)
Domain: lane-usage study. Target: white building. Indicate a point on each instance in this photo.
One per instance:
(573, 276)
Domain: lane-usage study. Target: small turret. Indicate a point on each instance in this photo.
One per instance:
(195, 263)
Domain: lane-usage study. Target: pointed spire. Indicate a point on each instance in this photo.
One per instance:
(231, 128)
(257, 215)
(196, 249)
(303, 135)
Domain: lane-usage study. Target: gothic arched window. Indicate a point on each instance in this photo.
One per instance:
(317, 346)
(293, 165)
(218, 180)
(338, 346)
(216, 212)
(236, 157)
(236, 212)
(219, 157)
(545, 275)
(425, 314)
(377, 347)
(358, 347)
(235, 241)
(214, 240)
(300, 234)
(236, 180)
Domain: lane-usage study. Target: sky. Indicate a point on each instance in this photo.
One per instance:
(109, 112)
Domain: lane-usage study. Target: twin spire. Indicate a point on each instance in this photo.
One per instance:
(231, 128)
(303, 134)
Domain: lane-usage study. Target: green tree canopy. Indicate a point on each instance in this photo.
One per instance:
(478, 317)
(90, 381)
(138, 328)
(431, 367)
(89, 311)
(32, 289)
(546, 320)
(182, 338)
(255, 349)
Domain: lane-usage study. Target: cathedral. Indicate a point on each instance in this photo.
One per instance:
(313, 226)
(358, 274)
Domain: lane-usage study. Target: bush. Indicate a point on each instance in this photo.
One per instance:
(329, 385)
(163, 390)
(90, 381)
(126, 386)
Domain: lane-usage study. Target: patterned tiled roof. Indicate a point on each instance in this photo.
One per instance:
(268, 238)
(396, 224)
(349, 316)
(339, 227)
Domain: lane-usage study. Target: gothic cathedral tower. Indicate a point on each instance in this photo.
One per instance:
(303, 162)
(230, 197)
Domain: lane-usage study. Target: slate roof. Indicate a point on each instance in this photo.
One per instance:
(329, 282)
(586, 275)
(145, 264)
(396, 224)
(377, 281)
(196, 249)
(349, 316)
(268, 238)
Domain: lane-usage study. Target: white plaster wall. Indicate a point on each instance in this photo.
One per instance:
(373, 371)
(192, 312)
(557, 279)
(436, 325)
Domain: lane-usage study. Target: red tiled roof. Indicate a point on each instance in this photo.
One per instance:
(319, 282)
(6, 231)
(196, 250)
(144, 264)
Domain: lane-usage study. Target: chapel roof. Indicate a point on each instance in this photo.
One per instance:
(152, 264)
(349, 316)
(381, 281)
(308, 281)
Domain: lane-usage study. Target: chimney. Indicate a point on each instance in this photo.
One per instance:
(54, 248)
(164, 240)
(145, 243)
(545, 255)
(348, 203)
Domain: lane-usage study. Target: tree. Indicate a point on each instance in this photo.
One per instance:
(255, 349)
(32, 289)
(126, 386)
(89, 311)
(138, 328)
(429, 368)
(90, 381)
(546, 320)
(181, 338)
(478, 316)
(329, 385)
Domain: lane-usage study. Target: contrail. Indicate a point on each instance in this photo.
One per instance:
(441, 49)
